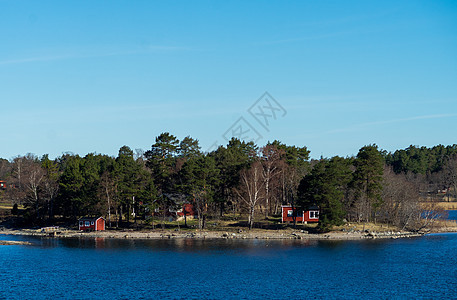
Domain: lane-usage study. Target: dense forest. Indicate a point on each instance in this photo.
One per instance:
(239, 179)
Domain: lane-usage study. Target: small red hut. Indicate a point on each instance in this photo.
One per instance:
(187, 211)
(303, 216)
(2, 185)
(91, 224)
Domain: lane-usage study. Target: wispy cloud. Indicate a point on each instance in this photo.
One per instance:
(338, 27)
(34, 59)
(93, 54)
(313, 134)
(330, 35)
(400, 120)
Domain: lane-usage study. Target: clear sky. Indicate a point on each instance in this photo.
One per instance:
(92, 76)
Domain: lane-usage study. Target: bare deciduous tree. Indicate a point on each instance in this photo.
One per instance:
(450, 176)
(32, 178)
(402, 206)
(108, 192)
(272, 167)
(251, 189)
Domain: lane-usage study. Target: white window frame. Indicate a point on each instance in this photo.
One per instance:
(314, 213)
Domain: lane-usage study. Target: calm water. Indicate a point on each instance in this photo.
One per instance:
(452, 215)
(423, 267)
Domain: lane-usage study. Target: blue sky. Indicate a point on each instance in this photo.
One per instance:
(92, 76)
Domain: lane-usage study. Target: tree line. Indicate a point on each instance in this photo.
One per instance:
(238, 179)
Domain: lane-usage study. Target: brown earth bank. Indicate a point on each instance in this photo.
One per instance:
(346, 234)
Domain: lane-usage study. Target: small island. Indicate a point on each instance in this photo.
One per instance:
(238, 191)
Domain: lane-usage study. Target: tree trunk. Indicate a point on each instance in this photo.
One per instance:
(251, 217)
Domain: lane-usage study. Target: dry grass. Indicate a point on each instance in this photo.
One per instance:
(441, 204)
(444, 226)
(8, 206)
(447, 205)
(367, 226)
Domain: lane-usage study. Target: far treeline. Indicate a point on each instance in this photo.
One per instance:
(240, 179)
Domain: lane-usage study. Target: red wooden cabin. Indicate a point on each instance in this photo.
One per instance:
(303, 216)
(2, 185)
(187, 210)
(91, 224)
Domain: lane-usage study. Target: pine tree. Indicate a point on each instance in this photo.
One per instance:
(369, 165)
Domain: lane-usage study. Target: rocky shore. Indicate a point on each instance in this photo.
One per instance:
(14, 243)
(195, 234)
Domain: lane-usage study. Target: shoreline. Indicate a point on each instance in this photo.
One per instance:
(288, 234)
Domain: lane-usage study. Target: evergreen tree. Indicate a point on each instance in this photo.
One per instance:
(161, 160)
(230, 161)
(369, 165)
(200, 179)
(326, 186)
(189, 147)
(127, 173)
(71, 182)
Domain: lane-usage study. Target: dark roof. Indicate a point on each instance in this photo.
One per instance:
(312, 207)
(90, 218)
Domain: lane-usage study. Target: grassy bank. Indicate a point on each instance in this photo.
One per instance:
(447, 205)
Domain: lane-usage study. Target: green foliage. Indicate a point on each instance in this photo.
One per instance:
(126, 171)
(326, 187)
(199, 181)
(161, 160)
(420, 160)
(230, 161)
(189, 147)
(369, 167)
(51, 167)
(175, 171)
(71, 183)
(294, 156)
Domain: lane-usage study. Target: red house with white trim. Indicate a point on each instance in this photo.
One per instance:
(187, 210)
(304, 216)
(91, 224)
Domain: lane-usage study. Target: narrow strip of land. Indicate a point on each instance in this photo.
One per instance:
(195, 234)
(14, 243)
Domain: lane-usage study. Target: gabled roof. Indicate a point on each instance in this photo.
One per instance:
(312, 207)
(90, 218)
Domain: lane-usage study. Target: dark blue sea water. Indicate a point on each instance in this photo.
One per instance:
(424, 267)
(452, 214)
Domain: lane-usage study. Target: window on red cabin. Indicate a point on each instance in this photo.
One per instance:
(81, 223)
(87, 223)
(314, 214)
(290, 213)
(92, 223)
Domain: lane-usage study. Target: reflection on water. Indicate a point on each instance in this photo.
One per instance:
(178, 244)
(193, 245)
